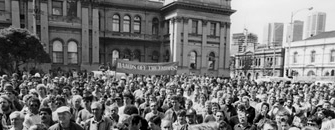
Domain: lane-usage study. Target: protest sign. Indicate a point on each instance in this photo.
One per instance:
(131, 67)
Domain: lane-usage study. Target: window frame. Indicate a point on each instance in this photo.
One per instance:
(3, 8)
(313, 55)
(332, 56)
(211, 60)
(193, 65)
(295, 56)
(116, 23)
(57, 55)
(155, 26)
(126, 25)
(212, 31)
(194, 26)
(53, 7)
(70, 53)
(68, 6)
(137, 22)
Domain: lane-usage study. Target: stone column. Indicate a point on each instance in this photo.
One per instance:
(227, 47)
(204, 65)
(45, 25)
(15, 12)
(85, 34)
(31, 18)
(186, 22)
(222, 50)
(177, 40)
(95, 35)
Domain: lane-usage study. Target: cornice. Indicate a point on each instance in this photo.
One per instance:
(189, 6)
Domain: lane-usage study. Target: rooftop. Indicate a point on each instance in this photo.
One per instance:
(323, 35)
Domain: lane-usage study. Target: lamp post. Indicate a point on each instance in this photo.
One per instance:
(291, 38)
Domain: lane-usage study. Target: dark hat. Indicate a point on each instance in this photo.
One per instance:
(191, 112)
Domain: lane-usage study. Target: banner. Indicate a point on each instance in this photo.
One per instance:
(328, 125)
(146, 68)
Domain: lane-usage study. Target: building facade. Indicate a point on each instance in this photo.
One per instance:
(83, 34)
(242, 43)
(273, 34)
(315, 24)
(265, 61)
(314, 56)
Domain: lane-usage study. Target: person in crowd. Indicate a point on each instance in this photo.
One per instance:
(243, 120)
(154, 111)
(166, 125)
(32, 117)
(64, 122)
(46, 116)
(16, 119)
(6, 109)
(98, 120)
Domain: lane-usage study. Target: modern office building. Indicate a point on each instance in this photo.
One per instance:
(315, 24)
(242, 43)
(273, 34)
(83, 34)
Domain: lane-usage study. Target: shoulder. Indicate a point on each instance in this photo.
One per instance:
(77, 126)
(54, 127)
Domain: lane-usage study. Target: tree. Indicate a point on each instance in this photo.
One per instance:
(19, 46)
(247, 64)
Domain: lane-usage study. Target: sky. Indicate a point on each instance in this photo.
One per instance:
(255, 14)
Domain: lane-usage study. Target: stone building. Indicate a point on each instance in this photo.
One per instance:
(83, 34)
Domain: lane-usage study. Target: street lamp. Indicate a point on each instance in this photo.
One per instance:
(291, 38)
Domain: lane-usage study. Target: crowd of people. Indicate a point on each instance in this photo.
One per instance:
(179, 102)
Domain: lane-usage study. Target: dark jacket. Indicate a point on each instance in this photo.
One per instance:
(73, 126)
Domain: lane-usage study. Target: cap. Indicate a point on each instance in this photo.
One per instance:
(63, 109)
(191, 112)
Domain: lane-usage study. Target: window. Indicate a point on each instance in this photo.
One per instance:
(126, 23)
(72, 8)
(195, 27)
(312, 56)
(213, 29)
(211, 61)
(2, 5)
(332, 73)
(57, 52)
(57, 8)
(310, 73)
(115, 56)
(155, 56)
(116, 23)
(126, 54)
(193, 60)
(155, 25)
(332, 55)
(72, 52)
(295, 56)
(137, 55)
(137, 25)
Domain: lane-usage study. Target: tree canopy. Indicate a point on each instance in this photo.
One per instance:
(18, 46)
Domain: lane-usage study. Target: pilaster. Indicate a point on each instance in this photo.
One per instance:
(95, 37)
(185, 41)
(44, 25)
(227, 47)
(172, 42)
(85, 35)
(31, 18)
(204, 66)
(222, 50)
(15, 12)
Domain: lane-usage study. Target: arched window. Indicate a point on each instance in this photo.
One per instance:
(155, 25)
(332, 55)
(327, 73)
(211, 61)
(310, 73)
(295, 56)
(72, 52)
(193, 60)
(137, 55)
(332, 73)
(313, 56)
(137, 25)
(126, 23)
(115, 56)
(57, 52)
(116, 23)
(155, 56)
(126, 54)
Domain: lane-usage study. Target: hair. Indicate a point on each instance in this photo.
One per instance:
(271, 123)
(181, 113)
(156, 120)
(17, 113)
(60, 98)
(130, 110)
(135, 119)
(46, 109)
(75, 98)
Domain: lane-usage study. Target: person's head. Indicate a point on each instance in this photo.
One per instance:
(175, 102)
(155, 123)
(77, 101)
(181, 115)
(64, 115)
(128, 98)
(326, 105)
(281, 118)
(219, 116)
(166, 125)
(87, 101)
(215, 107)
(180, 92)
(229, 100)
(153, 106)
(265, 108)
(241, 114)
(45, 114)
(16, 119)
(97, 109)
(60, 101)
(188, 104)
(245, 101)
(269, 125)
(135, 121)
(190, 116)
(34, 104)
(5, 103)
(42, 91)
(208, 106)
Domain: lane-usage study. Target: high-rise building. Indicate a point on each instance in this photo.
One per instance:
(298, 30)
(242, 43)
(273, 34)
(315, 24)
